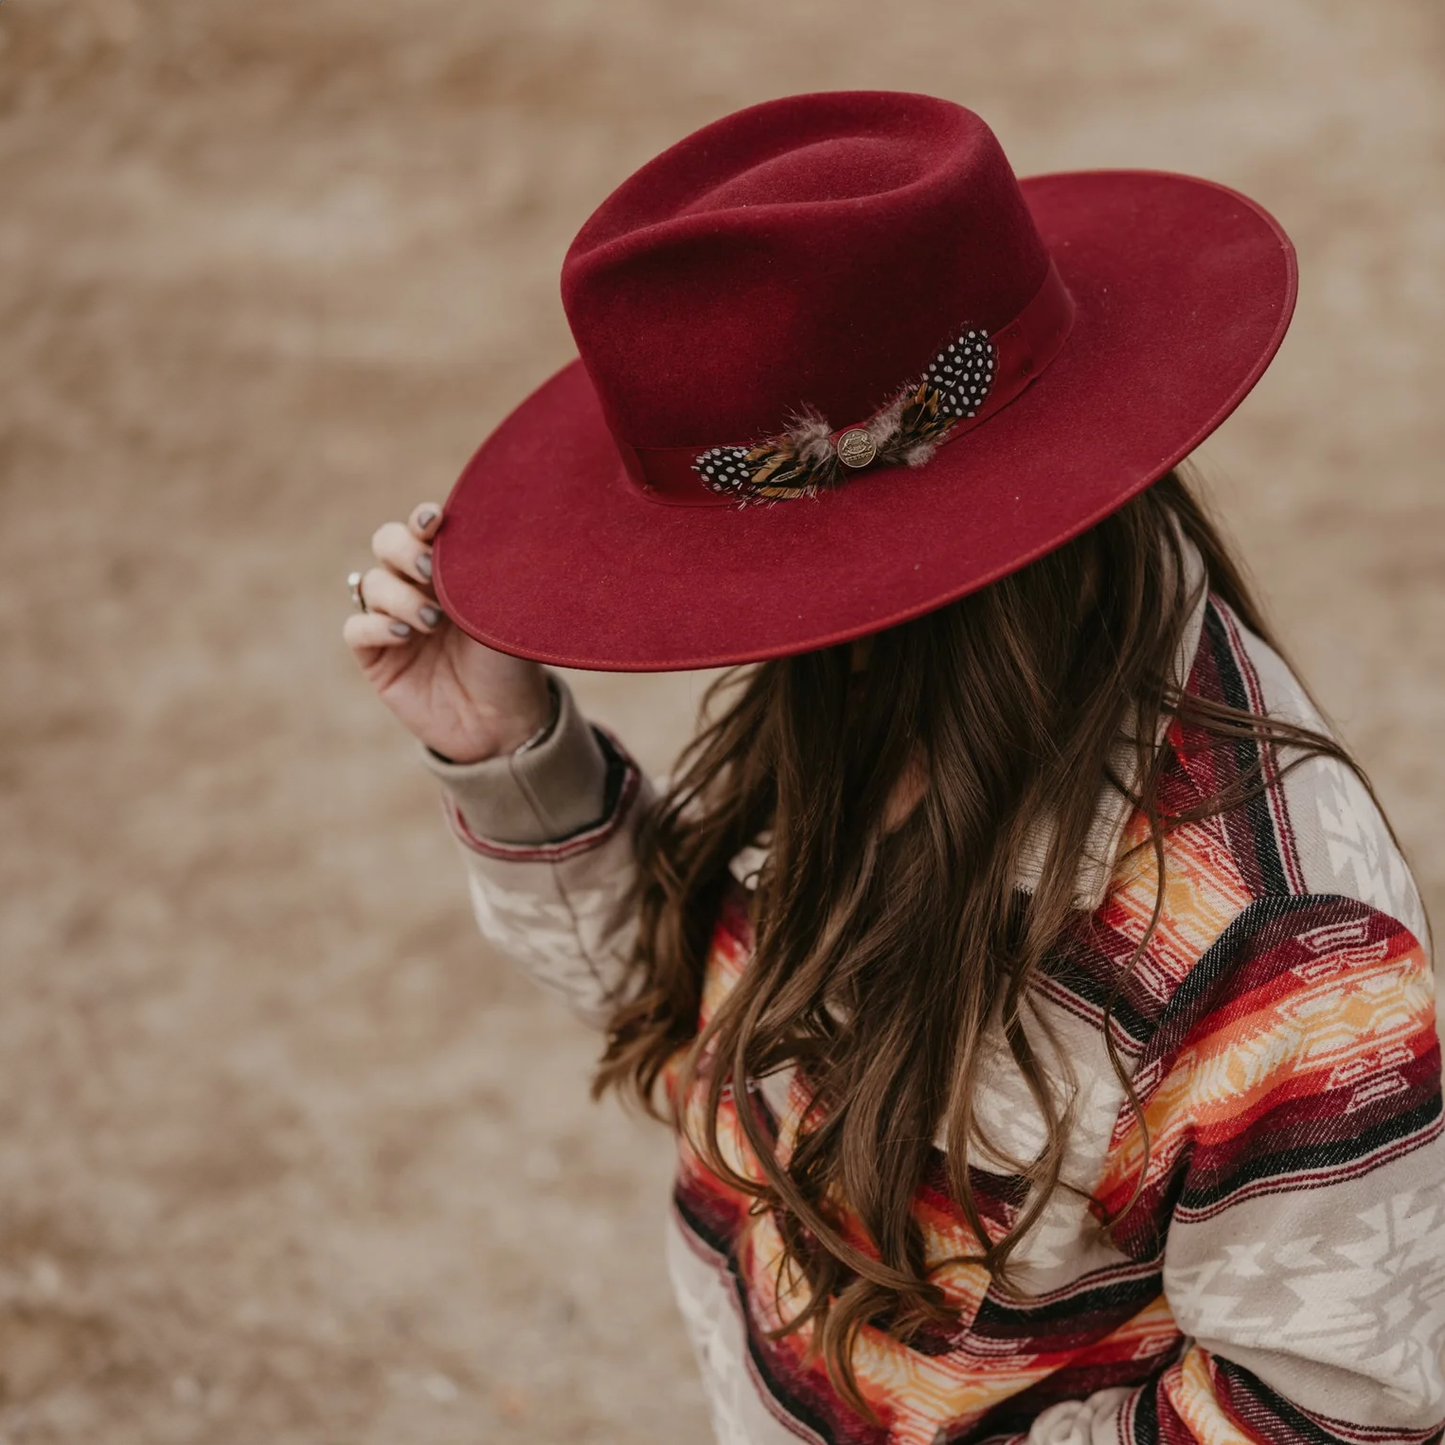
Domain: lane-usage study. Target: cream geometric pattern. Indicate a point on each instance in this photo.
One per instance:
(1351, 1278)
(556, 920)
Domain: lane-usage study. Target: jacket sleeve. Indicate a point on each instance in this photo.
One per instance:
(547, 838)
(1296, 1136)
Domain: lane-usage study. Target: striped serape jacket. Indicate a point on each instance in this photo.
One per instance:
(1281, 1275)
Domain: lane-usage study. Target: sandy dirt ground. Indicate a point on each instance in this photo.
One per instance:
(285, 1155)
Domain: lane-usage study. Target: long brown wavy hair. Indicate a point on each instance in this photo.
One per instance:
(974, 721)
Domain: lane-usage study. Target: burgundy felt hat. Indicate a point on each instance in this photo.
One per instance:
(838, 367)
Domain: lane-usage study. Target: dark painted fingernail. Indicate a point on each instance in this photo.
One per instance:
(426, 518)
(431, 615)
(423, 565)
(401, 629)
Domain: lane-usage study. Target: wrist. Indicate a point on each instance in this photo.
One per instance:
(541, 793)
(517, 733)
(529, 729)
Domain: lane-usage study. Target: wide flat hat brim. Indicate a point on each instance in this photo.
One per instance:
(1183, 290)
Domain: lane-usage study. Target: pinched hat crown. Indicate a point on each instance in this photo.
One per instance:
(812, 255)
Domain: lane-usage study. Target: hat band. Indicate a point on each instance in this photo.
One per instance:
(970, 380)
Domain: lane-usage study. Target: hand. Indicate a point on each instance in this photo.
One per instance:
(462, 699)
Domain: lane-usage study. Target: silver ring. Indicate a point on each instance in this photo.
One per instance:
(353, 581)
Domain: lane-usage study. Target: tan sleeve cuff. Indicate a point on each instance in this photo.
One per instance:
(541, 795)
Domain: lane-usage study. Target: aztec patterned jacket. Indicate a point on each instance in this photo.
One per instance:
(1281, 1277)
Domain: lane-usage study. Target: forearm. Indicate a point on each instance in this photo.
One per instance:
(547, 834)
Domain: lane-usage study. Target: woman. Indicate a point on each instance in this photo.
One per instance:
(1037, 993)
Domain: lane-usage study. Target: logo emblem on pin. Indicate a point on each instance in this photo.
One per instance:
(856, 448)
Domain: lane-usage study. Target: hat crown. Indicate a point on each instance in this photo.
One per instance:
(808, 252)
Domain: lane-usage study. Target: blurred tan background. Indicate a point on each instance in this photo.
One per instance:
(285, 1156)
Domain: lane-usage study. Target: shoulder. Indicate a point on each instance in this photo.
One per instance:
(1281, 1012)
(1299, 871)
(1332, 833)
(1314, 830)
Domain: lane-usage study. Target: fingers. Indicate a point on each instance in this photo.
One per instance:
(397, 544)
(363, 632)
(399, 599)
(391, 596)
